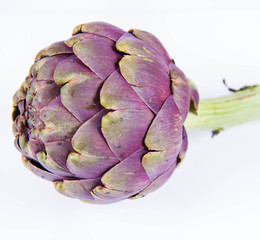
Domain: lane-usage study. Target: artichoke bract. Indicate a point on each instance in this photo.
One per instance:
(101, 114)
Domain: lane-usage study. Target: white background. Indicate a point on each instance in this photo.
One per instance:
(214, 194)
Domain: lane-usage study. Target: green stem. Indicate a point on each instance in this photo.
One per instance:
(220, 113)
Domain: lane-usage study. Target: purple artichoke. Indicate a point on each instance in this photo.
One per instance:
(101, 114)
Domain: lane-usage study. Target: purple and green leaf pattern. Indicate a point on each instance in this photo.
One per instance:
(101, 114)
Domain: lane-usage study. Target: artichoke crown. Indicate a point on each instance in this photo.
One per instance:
(101, 114)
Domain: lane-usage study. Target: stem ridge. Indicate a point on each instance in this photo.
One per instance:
(217, 114)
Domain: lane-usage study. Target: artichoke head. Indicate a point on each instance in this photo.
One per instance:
(101, 114)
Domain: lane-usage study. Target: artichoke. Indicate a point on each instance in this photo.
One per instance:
(101, 114)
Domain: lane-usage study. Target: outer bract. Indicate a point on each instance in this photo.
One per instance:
(101, 114)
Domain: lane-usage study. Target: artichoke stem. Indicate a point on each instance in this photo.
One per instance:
(221, 113)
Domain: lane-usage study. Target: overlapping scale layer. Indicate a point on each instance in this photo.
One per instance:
(101, 114)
